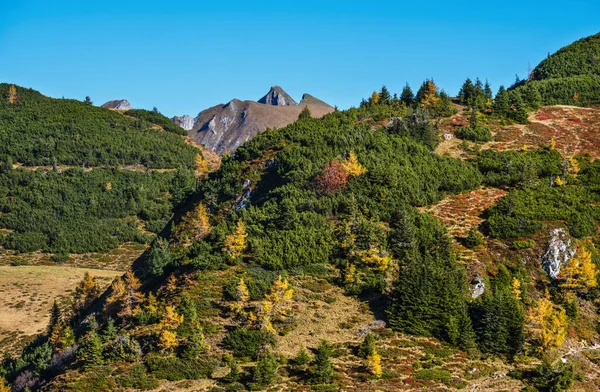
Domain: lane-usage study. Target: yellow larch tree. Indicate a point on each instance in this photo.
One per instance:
(350, 274)
(374, 257)
(559, 181)
(12, 94)
(516, 288)
(352, 167)
(242, 296)
(86, 291)
(198, 223)
(125, 295)
(573, 167)
(3, 386)
(430, 96)
(276, 306)
(166, 329)
(264, 317)
(235, 243)
(374, 363)
(580, 273)
(201, 165)
(374, 98)
(546, 326)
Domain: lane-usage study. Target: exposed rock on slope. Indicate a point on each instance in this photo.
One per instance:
(186, 122)
(223, 128)
(119, 104)
(558, 253)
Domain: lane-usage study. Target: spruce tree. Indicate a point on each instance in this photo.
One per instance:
(487, 90)
(384, 96)
(466, 92)
(407, 96)
(501, 104)
(91, 352)
(322, 372)
(265, 371)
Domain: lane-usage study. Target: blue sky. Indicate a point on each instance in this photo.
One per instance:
(184, 56)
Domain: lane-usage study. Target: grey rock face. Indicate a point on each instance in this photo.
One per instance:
(558, 252)
(277, 97)
(119, 104)
(186, 122)
(477, 287)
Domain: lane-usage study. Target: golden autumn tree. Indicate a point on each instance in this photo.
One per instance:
(374, 98)
(86, 291)
(559, 181)
(375, 257)
(516, 288)
(195, 225)
(430, 94)
(573, 169)
(235, 243)
(546, 326)
(580, 273)
(374, 363)
(242, 296)
(352, 167)
(12, 94)
(553, 144)
(125, 295)
(350, 274)
(166, 329)
(4, 386)
(277, 305)
(201, 165)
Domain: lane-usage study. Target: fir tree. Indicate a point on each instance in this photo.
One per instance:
(407, 96)
(322, 372)
(91, 352)
(265, 371)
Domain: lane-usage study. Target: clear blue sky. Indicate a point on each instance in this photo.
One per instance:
(184, 56)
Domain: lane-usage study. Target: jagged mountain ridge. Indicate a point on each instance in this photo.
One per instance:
(223, 128)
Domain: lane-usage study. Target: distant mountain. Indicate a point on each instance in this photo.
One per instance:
(225, 127)
(118, 104)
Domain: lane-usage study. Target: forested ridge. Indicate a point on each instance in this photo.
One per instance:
(335, 203)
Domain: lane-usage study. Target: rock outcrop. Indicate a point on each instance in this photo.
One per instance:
(223, 128)
(119, 104)
(277, 97)
(186, 122)
(558, 252)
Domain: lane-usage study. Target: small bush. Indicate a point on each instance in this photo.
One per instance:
(174, 369)
(523, 244)
(477, 133)
(474, 238)
(432, 374)
(247, 343)
(60, 257)
(138, 379)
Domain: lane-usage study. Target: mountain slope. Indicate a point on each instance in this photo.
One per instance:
(223, 128)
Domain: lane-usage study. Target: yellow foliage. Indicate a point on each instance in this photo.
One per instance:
(167, 340)
(559, 181)
(201, 165)
(3, 386)
(85, 292)
(265, 313)
(580, 273)
(235, 243)
(553, 144)
(276, 306)
(430, 96)
(374, 364)
(151, 304)
(376, 258)
(125, 295)
(108, 186)
(547, 326)
(524, 148)
(197, 222)
(350, 274)
(171, 285)
(12, 94)
(352, 167)
(242, 297)
(574, 167)
(171, 319)
(374, 97)
(516, 288)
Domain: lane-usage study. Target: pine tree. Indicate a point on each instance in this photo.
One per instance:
(55, 317)
(91, 352)
(159, 257)
(487, 90)
(407, 96)
(110, 332)
(367, 347)
(501, 104)
(265, 371)
(531, 96)
(322, 372)
(88, 101)
(305, 113)
(235, 243)
(466, 93)
(195, 346)
(384, 96)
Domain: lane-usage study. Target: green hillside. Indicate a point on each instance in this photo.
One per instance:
(98, 183)
(323, 214)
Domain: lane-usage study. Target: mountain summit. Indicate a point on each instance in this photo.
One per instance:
(223, 128)
(277, 97)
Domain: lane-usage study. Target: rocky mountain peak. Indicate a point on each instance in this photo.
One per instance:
(186, 122)
(118, 104)
(277, 97)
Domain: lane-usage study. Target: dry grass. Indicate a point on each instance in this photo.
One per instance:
(27, 294)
